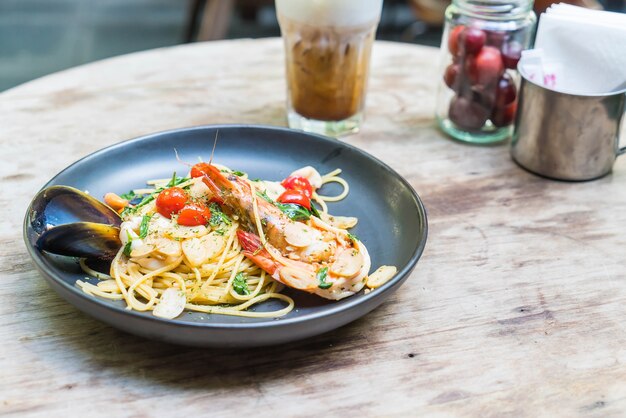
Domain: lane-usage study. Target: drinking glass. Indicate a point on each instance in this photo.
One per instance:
(327, 56)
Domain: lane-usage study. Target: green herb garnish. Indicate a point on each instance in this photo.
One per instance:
(240, 285)
(175, 181)
(127, 247)
(129, 196)
(294, 212)
(264, 196)
(145, 201)
(143, 228)
(239, 173)
(314, 210)
(172, 181)
(322, 274)
(353, 237)
(217, 216)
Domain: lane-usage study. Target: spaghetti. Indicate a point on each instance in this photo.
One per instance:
(166, 267)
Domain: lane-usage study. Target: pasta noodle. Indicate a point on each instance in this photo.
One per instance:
(215, 286)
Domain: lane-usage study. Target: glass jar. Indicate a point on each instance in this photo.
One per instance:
(481, 45)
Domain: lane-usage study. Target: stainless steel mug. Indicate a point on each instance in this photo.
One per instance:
(567, 136)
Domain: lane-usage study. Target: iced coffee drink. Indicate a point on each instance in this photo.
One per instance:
(327, 49)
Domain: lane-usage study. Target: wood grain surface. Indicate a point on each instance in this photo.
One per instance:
(516, 309)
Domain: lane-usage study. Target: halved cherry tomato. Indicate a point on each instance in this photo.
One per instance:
(194, 214)
(298, 183)
(295, 196)
(171, 201)
(199, 170)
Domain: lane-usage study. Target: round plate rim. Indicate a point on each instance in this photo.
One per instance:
(37, 256)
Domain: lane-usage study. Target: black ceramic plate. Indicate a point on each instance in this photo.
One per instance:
(392, 224)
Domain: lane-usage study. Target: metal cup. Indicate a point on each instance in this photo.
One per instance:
(567, 136)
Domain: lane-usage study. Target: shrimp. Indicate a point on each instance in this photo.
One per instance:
(314, 256)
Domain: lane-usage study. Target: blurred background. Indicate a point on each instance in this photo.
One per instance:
(38, 37)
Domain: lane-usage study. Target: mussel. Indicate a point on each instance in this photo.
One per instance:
(72, 223)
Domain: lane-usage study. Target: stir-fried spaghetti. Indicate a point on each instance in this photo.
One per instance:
(166, 265)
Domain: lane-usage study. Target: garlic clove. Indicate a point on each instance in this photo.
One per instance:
(347, 263)
(298, 234)
(381, 276)
(171, 304)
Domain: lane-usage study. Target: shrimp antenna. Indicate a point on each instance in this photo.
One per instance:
(214, 144)
(181, 161)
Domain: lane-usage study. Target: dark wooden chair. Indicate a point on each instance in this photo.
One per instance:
(209, 20)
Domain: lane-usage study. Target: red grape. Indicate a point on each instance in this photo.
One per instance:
(453, 40)
(473, 40)
(487, 67)
(471, 71)
(467, 114)
(484, 95)
(496, 38)
(450, 76)
(504, 116)
(506, 92)
(511, 54)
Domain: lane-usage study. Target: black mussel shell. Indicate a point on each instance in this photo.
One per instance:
(60, 205)
(82, 239)
(72, 223)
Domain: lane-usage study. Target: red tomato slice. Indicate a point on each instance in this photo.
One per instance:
(171, 201)
(298, 183)
(295, 196)
(194, 214)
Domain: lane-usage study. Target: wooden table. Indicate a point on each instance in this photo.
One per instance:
(517, 307)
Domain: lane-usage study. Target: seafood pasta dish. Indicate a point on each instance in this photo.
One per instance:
(219, 242)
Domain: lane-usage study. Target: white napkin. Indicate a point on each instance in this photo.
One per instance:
(578, 50)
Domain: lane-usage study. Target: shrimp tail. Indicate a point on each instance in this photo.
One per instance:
(253, 250)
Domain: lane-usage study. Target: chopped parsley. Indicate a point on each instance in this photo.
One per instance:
(128, 246)
(129, 196)
(240, 285)
(353, 237)
(322, 274)
(264, 196)
(239, 173)
(143, 228)
(217, 216)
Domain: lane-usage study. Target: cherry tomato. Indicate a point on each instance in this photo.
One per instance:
(194, 214)
(298, 183)
(171, 201)
(295, 196)
(199, 170)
